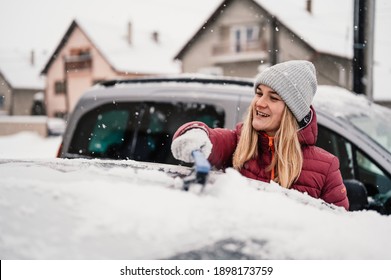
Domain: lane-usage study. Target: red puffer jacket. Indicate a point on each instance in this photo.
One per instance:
(320, 176)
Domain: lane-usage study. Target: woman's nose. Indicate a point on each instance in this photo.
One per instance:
(261, 102)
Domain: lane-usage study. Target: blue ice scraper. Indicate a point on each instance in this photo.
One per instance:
(201, 168)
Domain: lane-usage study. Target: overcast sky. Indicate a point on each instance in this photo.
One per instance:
(40, 24)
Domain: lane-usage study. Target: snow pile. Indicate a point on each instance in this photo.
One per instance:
(29, 145)
(93, 209)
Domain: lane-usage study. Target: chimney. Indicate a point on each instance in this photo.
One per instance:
(32, 58)
(309, 6)
(129, 35)
(155, 36)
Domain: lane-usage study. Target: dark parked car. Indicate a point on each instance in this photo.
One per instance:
(136, 119)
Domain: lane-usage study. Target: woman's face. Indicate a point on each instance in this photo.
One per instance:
(268, 108)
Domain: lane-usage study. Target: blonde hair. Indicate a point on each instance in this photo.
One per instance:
(288, 159)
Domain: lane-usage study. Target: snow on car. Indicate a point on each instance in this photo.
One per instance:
(102, 209)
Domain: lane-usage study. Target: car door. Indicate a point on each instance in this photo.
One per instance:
(359, 165)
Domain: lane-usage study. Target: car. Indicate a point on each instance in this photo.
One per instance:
(135, 119)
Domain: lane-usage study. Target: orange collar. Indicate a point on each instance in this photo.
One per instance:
(272, 149)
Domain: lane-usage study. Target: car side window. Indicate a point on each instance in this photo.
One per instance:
(376, 181)
(354, 163)
(139, 130)
(338, 146)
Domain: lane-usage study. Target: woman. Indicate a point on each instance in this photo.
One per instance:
(277, 139)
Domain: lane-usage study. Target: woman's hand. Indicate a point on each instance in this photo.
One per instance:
(185, 144)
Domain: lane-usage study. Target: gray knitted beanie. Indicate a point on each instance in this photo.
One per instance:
(294, 81)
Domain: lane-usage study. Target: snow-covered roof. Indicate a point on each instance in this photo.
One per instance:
(19, 71)
(328, 28)
(142, 55)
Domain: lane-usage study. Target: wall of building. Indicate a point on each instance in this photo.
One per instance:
(23, 100)
(16, 102)
(334, 70)
(292, 47)
(10, 125)
(198, 56)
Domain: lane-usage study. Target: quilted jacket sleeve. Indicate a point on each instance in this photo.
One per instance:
(224, 142)
(334, 191)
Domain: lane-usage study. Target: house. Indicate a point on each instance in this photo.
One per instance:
(20, 82)
(90, 52)
(241, 37)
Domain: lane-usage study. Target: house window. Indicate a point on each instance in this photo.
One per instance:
(2, 101)
(59, 87)
(238, 40)
(245, 38)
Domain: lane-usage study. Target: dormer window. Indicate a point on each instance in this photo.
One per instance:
(79, 59)
(239, 39)
(2, 101)
(244, 38)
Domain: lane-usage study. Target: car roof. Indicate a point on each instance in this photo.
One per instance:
(343, 103)
(184, 78)
(336, 108)
(214, 83)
